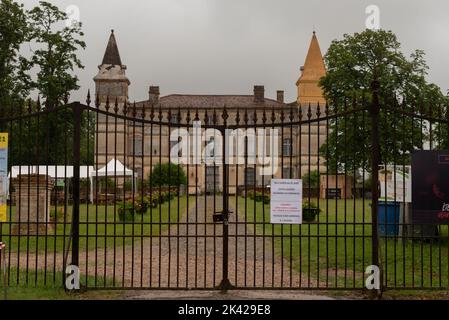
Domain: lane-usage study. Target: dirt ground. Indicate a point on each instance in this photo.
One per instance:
(262, 295)
(230, 295)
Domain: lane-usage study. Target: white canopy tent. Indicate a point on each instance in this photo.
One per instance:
(114, 168)
(56, 172)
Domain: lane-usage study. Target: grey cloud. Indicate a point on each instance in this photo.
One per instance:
(227, 46)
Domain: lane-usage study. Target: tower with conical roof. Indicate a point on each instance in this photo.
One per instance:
(111, 80)
(308, 89)
(313, 135)
(111, 83)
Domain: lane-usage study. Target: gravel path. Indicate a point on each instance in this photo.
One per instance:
(188, 255)
(229, 295)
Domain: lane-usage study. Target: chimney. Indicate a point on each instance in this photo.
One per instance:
(280, 96)
(154, 94)
(259, 94)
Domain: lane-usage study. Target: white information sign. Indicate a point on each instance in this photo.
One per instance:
(396, 183)
(286, 201)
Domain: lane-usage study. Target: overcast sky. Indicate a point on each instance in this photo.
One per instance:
(227, 46)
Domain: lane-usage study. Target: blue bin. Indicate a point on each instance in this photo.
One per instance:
(388, 218)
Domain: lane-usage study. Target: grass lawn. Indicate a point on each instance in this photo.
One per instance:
(99, 226)
(41, 286)
(336, 248)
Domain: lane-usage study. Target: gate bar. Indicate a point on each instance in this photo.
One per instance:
(225, 283)
(76, 182)
(375, 160)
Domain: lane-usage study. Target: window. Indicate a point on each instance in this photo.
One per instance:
(250, 176)
(287, 173)
(210, 147)
(173, 144)
(136, 146)
(287, 147)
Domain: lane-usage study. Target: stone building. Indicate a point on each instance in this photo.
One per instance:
(140, 145)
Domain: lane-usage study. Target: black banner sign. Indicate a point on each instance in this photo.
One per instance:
(430, 187)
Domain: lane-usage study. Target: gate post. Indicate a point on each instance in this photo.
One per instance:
(225, 283)
(375, 161)
(77, 109)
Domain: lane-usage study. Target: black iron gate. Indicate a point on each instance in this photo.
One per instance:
(100, 188)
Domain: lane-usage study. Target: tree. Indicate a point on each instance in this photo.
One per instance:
(353, 65)
(167, 174)
(311, 179)
(47, 138)
(14, 80)
(56, 55)
(56, 58)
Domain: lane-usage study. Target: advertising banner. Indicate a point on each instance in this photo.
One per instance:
(3, 175)
(430, 187)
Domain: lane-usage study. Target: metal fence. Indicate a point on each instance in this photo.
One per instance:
(91, 186)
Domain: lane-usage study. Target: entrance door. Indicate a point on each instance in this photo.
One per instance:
(212, 179)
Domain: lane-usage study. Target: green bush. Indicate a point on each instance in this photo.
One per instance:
(106, 183)
(168, 196)
(266, 199)
(367, 184)
(258, 197)
(164, 197)
(128, 185)
(141, 205)
(311, 179)
(167, 174)
(126, 211)
(261, 197)
(153, 200)
(157, 198)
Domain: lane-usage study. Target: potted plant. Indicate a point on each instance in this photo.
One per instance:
(309, 211)
(154, 199)
(126, 211)
(141, 205)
